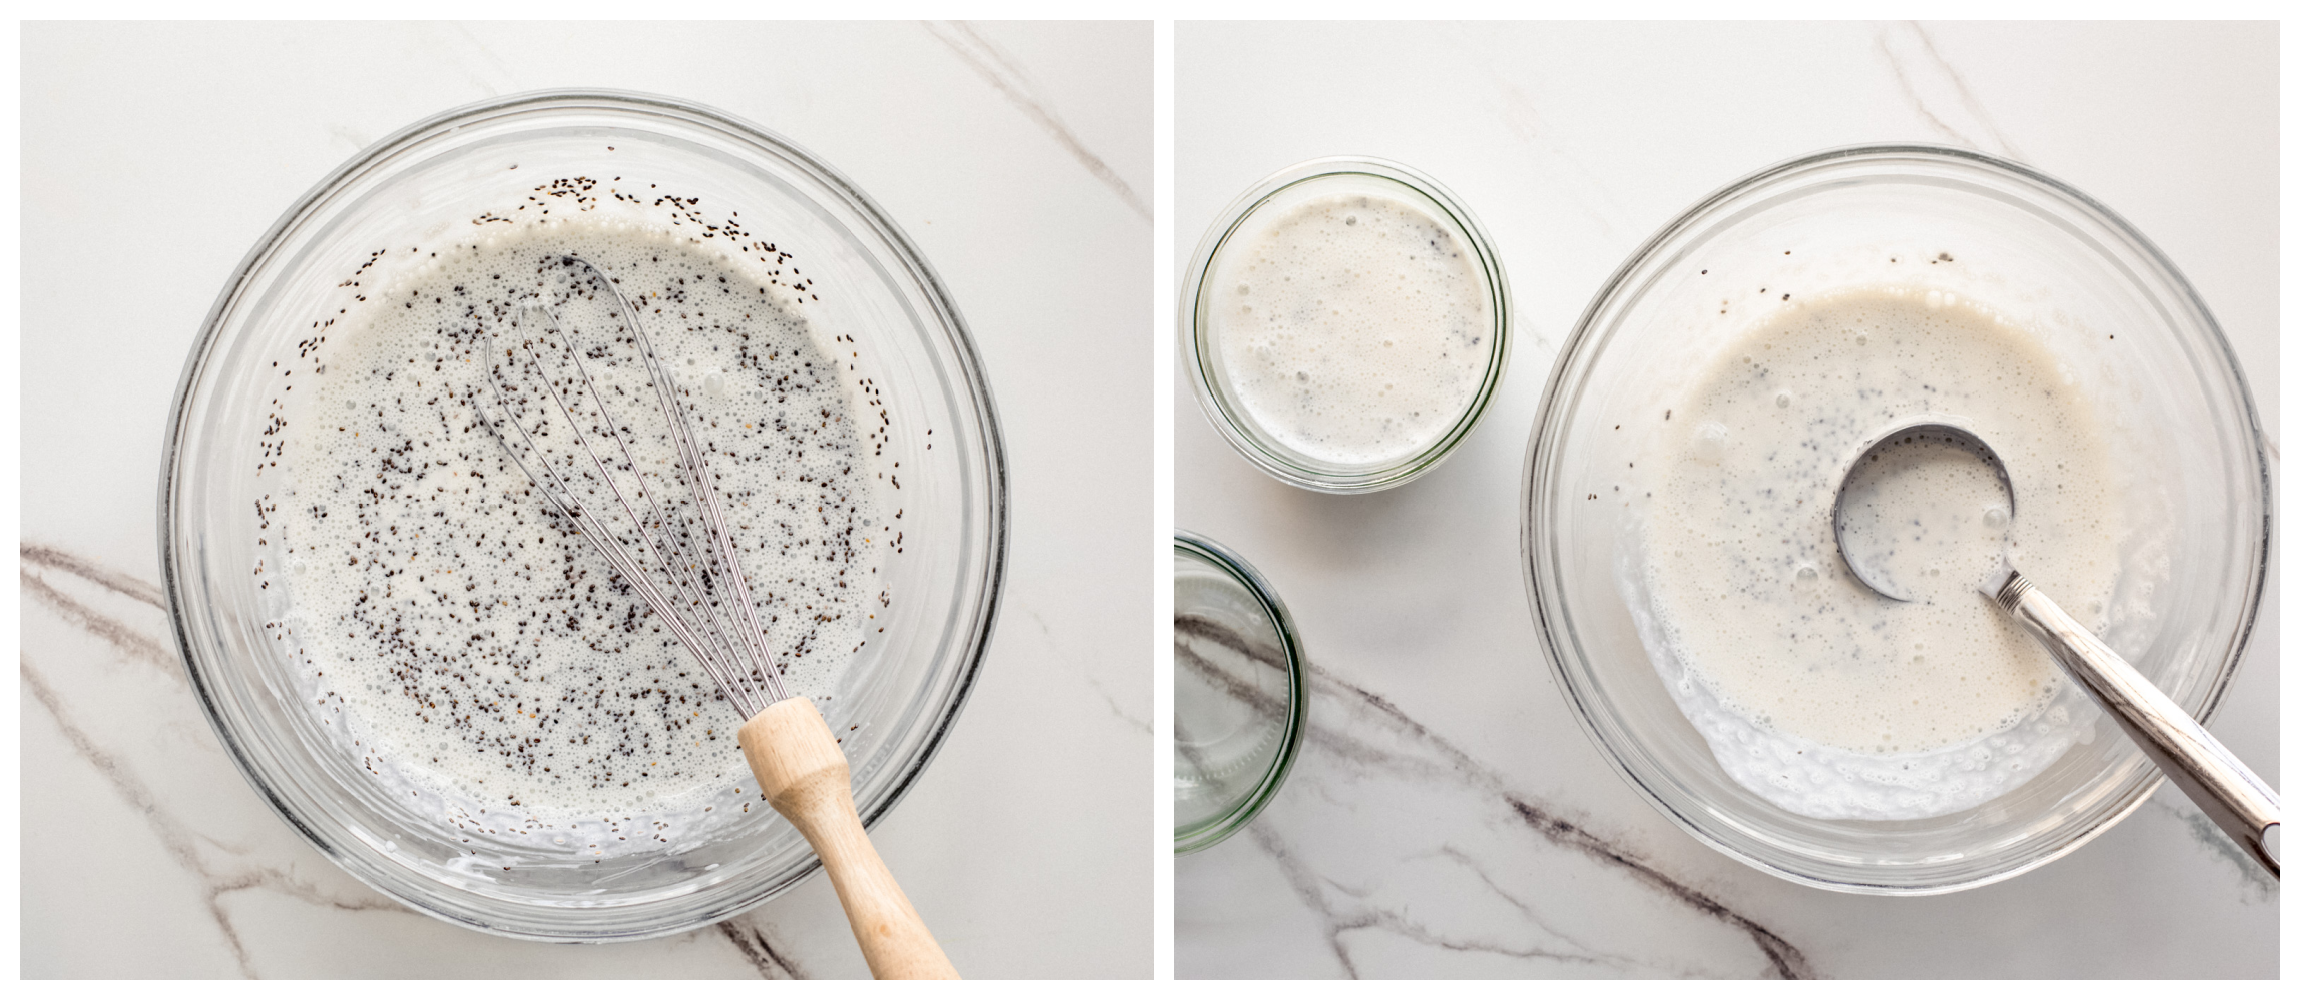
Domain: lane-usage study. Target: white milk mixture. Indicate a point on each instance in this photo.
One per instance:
(472, 643)
(1923, 516)
(1830, 700)
(1355, 328)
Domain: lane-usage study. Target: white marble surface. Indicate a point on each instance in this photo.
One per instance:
(1017, 157)
(1447, 816)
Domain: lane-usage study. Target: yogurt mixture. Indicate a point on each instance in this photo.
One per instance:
(1812, 690)
(466, 639)
(1354, 328)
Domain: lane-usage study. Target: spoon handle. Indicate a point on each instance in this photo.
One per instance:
(2236, 799)
(804, 776)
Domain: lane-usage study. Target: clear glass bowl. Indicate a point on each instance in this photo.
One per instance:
(1240, 699)
(1995, 232)
(1202, 357)
(902, 693)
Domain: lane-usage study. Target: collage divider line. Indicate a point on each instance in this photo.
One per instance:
(1162, 497)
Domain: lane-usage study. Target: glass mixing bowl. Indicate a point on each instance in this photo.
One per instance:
(563, 151)
(1958, 222)
(1202, 355)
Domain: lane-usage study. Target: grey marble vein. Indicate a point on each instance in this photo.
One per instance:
(1311, 887)
(118, 634)
(1522, 116)
(233, 872)
(1937, 92)
(499, 78)
(71, 586)
(119, 583)
(1004, 74)
(218, 878)
(1356, 735)
(756, 949)
(1116, 710)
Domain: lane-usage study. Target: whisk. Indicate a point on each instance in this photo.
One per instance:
(672, 546)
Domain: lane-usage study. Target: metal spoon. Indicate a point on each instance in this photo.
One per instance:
(2237, 800)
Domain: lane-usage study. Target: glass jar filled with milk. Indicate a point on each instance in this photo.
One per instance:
(1344, 323)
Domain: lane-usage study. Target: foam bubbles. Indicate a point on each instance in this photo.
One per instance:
(1354, 328)
(483, 651)
(1827, 698)
(1709, 441)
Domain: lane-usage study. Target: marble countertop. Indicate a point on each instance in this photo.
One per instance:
(1016, 156)
(1447, 816)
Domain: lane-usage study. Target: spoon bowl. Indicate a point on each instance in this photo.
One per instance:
(1896, 514)
(1922, 494)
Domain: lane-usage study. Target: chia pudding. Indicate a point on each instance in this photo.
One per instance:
(469, 646)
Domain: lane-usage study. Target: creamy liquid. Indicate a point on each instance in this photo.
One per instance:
(1814, 691)
(467, 638)
(1354, 328)
(1922, 517)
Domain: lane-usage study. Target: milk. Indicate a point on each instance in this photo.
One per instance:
(1353, 328)
(1823, 696)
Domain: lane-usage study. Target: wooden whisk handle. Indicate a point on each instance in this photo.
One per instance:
(804, 776)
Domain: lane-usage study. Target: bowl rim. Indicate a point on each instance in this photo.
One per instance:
(1216, 829)
(1534, 545)
(1196, 362)
(639, 106)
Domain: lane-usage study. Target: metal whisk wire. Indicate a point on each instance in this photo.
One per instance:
(800, 766)
(696, 555)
